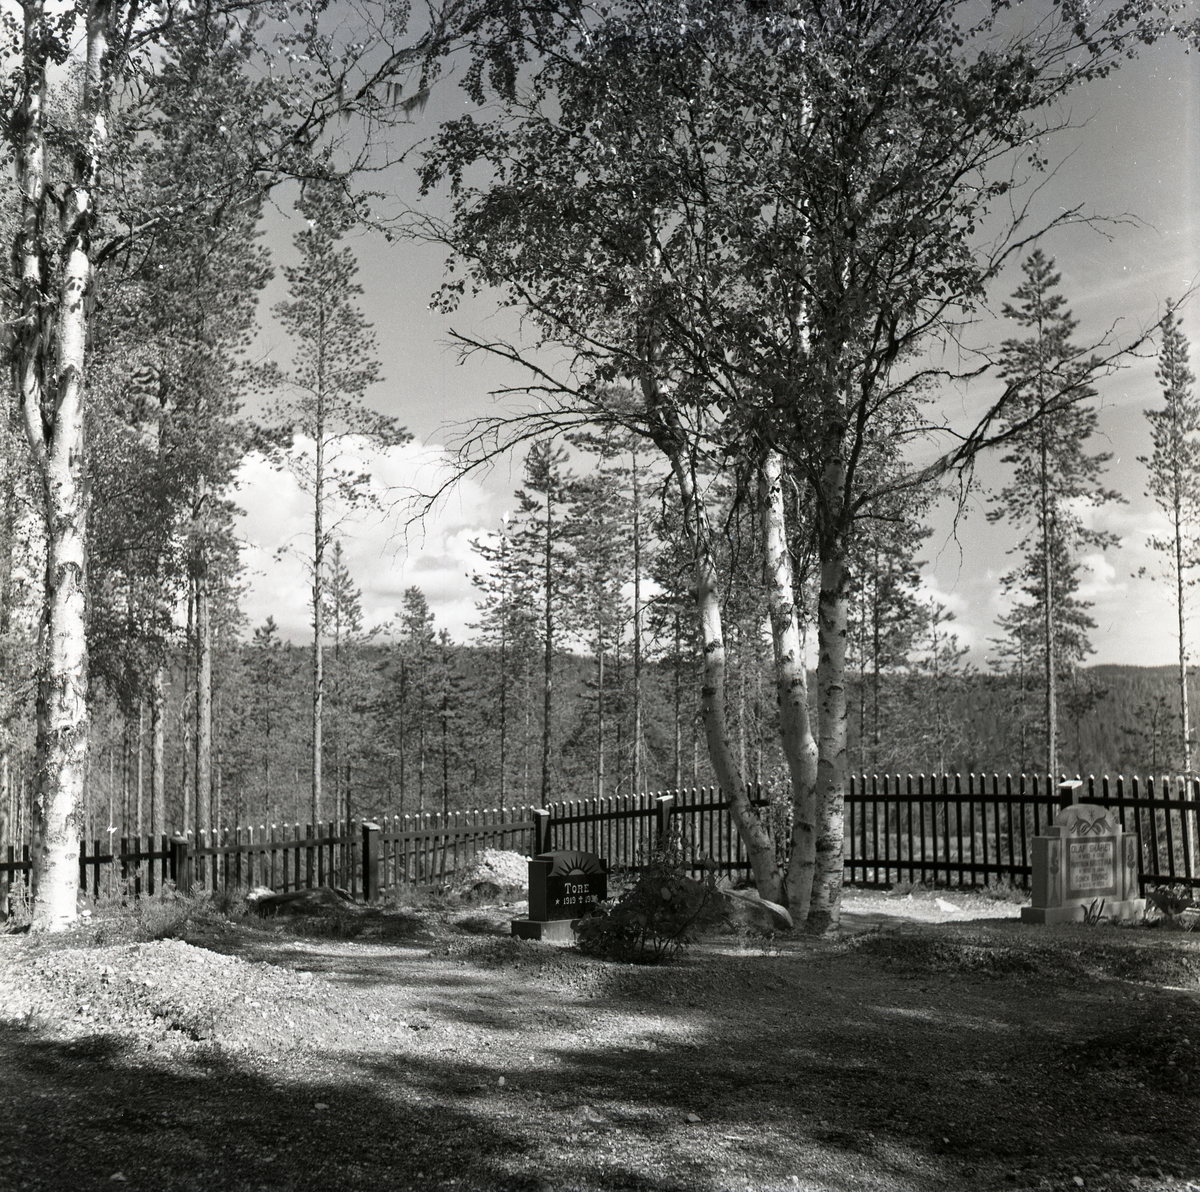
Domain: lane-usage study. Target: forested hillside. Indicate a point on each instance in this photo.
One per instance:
(392, 751)
(1125, 721)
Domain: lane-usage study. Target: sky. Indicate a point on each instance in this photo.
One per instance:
(1132, 158)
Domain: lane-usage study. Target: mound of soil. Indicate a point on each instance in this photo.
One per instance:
(493, 872)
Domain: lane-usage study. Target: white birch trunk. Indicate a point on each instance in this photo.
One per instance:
(204, 786)
(791, 680)
(158, 742)
(52, 392)
(833, 616)
(759, 847)
(636, 768)
(548, 630)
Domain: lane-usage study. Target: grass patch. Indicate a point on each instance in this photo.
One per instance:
(164, 915)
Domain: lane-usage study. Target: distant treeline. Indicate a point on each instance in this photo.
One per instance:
(402, 742)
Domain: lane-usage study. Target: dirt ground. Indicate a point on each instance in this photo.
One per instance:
(925, 1048)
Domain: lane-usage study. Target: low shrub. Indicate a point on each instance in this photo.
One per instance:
(1176, 906)
(163, 916)
(653, 919)
(20, 905)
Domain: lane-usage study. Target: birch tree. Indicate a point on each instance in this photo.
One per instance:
(766, 280)
(57, 172)
(60, 152)
(1174, 483)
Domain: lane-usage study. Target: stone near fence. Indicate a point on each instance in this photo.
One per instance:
(730, 912)
(562, 885)
(316, 901)
(1085, 863)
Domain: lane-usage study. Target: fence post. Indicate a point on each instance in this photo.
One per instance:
(541, 831)
(370, 862)
(663, 805)
(1069, 793)
(181, 864)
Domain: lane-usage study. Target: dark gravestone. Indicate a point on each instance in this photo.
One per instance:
(561, 887)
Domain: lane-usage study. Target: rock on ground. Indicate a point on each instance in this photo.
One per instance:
(300, 902)
(731, 911)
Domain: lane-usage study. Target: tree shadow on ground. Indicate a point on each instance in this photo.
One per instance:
(104, 1114)
(781, 1072)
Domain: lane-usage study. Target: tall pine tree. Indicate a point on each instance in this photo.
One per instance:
(325, 415)
(1053, 480)
(1174, 483)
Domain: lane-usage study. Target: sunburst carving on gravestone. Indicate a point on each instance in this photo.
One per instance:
(577, 862)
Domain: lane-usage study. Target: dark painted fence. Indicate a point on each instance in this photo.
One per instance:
(410, 849)
(973, 830)
(951, 830)
(622, 829)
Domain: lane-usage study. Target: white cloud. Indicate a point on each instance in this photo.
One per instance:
(954, 602)
(1099, 579)
(385, 553)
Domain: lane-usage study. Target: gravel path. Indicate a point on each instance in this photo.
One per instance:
(428, 1052)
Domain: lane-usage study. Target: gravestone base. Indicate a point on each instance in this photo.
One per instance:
(1130, 908)
(549, 931)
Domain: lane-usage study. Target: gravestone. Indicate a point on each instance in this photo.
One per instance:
(562, 886)
(1085, 860)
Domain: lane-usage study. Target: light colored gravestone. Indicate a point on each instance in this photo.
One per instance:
(1085, 862)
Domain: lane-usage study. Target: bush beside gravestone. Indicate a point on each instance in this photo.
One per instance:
(653, 920)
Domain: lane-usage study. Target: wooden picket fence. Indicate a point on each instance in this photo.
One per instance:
(412, 850)
(977, 829)
(622, 829)
(949, 830)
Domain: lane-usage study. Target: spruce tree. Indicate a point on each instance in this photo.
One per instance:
(507, 633)
(544, 557)
(599, 529)
(1174, 483)
(413, 680)
(325, 415)
(265, 663)
(1053, 480)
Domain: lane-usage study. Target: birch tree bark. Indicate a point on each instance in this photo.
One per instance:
(791, 680)
(204, 676)
(760, 848)
(833, 621)
(49, 361)
(158, 741)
